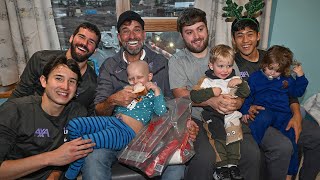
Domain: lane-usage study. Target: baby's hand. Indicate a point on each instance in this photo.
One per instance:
(298, 70)
(234, 82)
(245, 118)
(216, 91)
(154, 87)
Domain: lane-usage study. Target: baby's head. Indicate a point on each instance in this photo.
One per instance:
(221, 60)
(277, 62)
(138, 72)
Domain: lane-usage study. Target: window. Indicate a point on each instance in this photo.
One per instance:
(160, 18)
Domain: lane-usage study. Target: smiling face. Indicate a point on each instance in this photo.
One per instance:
(83, 44)
(131, 37)
(222, 67)
(196, 37)
(60, 86)
(246, 41)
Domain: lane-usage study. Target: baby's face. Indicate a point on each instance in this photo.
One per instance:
(272, 70)
(222, 67)
(136, 75)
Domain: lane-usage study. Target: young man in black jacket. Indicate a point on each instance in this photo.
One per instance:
(32, 127)
(83, 43)
(276, 148)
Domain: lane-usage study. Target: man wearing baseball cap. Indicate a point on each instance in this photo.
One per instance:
(110, 92)
(129, 16)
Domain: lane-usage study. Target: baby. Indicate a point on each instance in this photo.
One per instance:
(270, 88)
(115, 132)
(224, 129)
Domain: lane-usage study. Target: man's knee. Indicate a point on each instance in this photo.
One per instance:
(98, 164)
(249, 163)
(285, 148)
(203, 148)
(276, 143)
(250, 151)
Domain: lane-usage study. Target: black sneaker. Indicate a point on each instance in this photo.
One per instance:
(222, 174)
(235, 173)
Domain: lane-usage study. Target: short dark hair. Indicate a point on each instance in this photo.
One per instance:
(91, 27)
(189, 17)
(62, 60)
(244, 22)
(280, 55)
(129, 16)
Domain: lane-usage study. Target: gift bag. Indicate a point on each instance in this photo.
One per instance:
(164, 141)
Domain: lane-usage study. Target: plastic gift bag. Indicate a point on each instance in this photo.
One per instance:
(164, 141)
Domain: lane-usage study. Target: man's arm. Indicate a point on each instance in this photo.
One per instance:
(120, 98)
(181, 92)
(65, 154)
(106, 96)
(26, 85)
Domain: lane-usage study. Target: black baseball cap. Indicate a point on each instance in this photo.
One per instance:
(128, 16)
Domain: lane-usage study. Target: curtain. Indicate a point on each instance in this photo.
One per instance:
(26, 26)
(220, 30)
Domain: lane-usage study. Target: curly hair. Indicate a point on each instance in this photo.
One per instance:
(278, 55)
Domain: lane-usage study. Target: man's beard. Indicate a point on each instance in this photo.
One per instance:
(77, 57)
(197, 49)
(133, 51)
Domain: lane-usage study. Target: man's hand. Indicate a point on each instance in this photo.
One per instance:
(70, 151)
(225, 104)
(124, 97)
(254, 110)
(54, 175)
(121, 98)
(193, 129)
(295, 123)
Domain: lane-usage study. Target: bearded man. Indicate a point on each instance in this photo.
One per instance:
(83, 42)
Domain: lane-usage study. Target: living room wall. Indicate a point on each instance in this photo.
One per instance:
(295, 24)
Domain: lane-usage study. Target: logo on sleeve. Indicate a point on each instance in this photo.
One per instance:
(42, 132)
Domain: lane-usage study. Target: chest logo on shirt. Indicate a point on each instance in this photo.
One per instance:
(118, 71)
(65, 132)
(244, 74)
(42, 132)
(285, 84)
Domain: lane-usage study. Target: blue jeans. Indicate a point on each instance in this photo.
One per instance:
(98, 165)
